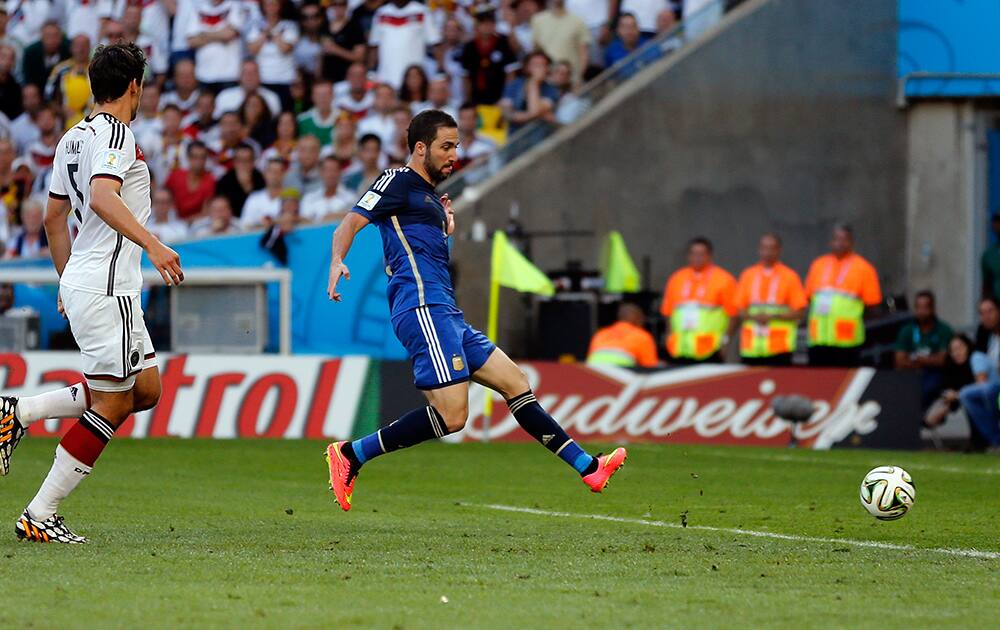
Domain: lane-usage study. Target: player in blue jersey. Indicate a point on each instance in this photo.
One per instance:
(445, 351)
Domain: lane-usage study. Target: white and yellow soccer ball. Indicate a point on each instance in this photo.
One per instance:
(888, 492)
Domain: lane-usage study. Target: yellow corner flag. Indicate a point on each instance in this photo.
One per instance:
(509, 268)
(620, 273)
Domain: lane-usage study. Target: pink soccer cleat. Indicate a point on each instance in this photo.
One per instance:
(607, 465)
(341, 475)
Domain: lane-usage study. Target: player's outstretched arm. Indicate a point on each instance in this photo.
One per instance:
(343, 238)
(107, 204)
(57, 232)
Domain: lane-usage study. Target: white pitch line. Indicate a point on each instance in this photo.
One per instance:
(965, 553)
(775, 457)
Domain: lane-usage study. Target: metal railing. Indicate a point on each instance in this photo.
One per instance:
(574, 105)
(197, 276)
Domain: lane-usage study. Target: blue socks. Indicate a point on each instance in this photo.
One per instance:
(541, 426)
(426, 423)
(413, 428)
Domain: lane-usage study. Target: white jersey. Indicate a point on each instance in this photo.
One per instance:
(102, 260)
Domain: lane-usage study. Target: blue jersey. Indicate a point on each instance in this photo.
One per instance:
(412, 222)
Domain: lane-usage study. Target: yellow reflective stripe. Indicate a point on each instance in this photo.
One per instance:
(413, 261)
(611, 356)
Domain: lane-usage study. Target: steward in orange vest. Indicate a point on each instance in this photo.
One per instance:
(625, 343)
(771, 302)
(839, 287)
(699, 300)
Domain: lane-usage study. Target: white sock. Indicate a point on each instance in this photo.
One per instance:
(65, 475)
(68, 402)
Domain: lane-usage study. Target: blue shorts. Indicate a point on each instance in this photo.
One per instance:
(443, 349)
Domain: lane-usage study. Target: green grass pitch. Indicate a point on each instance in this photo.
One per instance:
(246, 534)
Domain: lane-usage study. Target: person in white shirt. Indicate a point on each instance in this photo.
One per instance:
(471, 146)
(26, 18)
(185, 93)
(333, 201)
(271, 41)
(185, 14)
(438, 97)
(402, 31)
(83, 17)
(219, 222)
(379, 120)
(147, 122)
(23, 129)
(352, 94)
(100, 175)
(263, 206)
(166, 148)
(163, 223)
(153, 45)
(155, 24)
(214, 34)
(452, 43)
(231, 99)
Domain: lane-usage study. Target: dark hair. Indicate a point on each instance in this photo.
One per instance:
(845, 228)
(196, 144)
(532, 55)
(265, 116)
(404, 91)
(112, 70)
(701, 240)
(369, 137)
(992, 300)
(467, 105)
(970, 346)
(424, 127)
(243, 146)
(926, 293)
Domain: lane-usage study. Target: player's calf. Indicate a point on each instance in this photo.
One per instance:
(17, 414)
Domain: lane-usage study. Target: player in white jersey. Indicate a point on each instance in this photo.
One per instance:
(101, 176)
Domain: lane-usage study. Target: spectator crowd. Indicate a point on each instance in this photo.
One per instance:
(264, 112)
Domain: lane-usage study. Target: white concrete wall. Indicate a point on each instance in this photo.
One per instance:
(945, 198)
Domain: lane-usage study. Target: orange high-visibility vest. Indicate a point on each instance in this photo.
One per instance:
(699, 305)
(623, 344)
(764, 290)
(838, 290)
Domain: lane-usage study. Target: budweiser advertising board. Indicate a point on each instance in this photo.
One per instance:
(318, 397)
(718, 404)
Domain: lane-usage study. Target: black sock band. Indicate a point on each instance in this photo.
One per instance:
(98, 425)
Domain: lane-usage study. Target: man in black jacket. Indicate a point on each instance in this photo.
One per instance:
(43, 55)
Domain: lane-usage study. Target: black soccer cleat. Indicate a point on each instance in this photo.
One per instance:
(52, 529)
(11, 432)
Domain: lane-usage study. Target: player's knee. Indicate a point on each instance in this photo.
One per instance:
(147, 397)
(455, 416)
(521, 383)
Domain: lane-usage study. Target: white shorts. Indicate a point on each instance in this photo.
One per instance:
(112, 337)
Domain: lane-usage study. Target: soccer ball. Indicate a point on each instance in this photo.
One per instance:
(887, 492)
